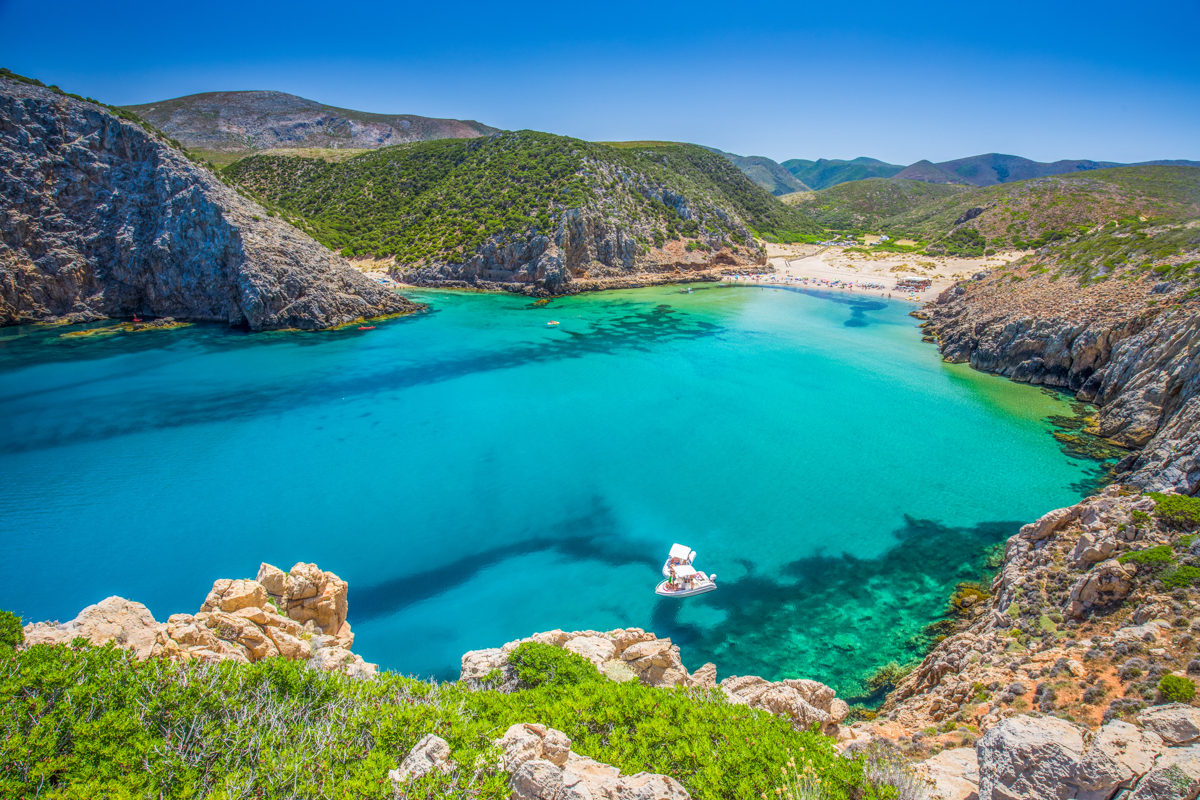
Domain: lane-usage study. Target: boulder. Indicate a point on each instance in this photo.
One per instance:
(273, 579)
(1092, 550)
(954, 774)
(1027, 758)
(801, 701)
(113, 619)
(1107, 582)
(233, 595)
(316, 596)
(239, 630)
(1048, 523)
(705, 677)
(289, 646)
(1118, 755)
(478, 663)
(1175, 776)
(1177, 723)
(430, 754)
(544, 768)
(596, 649)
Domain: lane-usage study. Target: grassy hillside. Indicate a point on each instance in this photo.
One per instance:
(826, 172)
(441, 201)
(868, 204)
(90, 722)
(1021, 214)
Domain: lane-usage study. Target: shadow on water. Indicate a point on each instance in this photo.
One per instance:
(834, 618)
(859, 306)
(634, 327)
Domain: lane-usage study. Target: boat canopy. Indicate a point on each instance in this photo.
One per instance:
(680, 551)
(684, 571)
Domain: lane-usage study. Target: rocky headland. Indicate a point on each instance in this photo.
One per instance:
(101, 218)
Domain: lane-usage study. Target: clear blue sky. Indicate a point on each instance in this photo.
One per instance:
(897, 81)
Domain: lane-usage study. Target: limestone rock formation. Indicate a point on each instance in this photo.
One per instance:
(1177, 724)
(113, 619)
(954, 774)
(543, 767)
(102, 218)
(240, 620)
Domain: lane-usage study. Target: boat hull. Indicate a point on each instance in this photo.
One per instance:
(663, 591)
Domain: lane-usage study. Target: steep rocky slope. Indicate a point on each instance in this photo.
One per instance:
(238, 123)
(1113, 316)
(101, 218)
(529, 212)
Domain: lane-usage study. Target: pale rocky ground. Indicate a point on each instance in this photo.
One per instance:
(299, 615)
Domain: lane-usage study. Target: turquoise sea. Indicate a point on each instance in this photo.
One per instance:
(478, 476)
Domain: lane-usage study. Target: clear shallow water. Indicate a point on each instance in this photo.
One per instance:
(477, 476)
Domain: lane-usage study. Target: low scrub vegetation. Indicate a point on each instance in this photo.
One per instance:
(85, 721)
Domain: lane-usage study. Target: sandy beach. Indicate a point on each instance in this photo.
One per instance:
(833, 267)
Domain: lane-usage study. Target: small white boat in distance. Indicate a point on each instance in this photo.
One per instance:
(688, 583)
(680, 554)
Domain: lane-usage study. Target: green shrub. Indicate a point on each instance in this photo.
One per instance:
(84, 721)
(1180, 577)
(1174, 689)
(11, 632)
(546, 665)
(1176, 510)
(1152, 558)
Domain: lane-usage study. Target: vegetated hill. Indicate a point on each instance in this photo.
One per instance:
(988, 169)
(928, 172)
(527, 211)
(826, 172)
(224, 125)
(766, 173)
(1027, 213)
(867, 204)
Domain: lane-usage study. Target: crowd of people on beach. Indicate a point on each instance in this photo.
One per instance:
(796, 280)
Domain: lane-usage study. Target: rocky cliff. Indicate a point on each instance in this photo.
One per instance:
(99, 217)
(1130, 344)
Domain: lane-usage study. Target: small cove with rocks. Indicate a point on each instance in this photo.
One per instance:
(476, 476)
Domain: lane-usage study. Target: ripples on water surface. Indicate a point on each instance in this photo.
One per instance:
(477, 476)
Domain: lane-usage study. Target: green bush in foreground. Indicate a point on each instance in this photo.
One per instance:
(85, 721)
(11, 632)
(1174, 689)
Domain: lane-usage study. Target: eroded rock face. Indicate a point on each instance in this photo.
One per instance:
(1030, 759)
(100, 218)
(1138, 362)
(804, 702)
(1177, 724)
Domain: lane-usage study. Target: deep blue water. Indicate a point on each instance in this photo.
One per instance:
(477, 476)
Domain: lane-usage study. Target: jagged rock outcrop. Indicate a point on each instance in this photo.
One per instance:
(101, 218)
(804, 702)
(299, 615)
(621, 654)
(431, 754)
(627, 654)
(543, 767)
(1136, 357)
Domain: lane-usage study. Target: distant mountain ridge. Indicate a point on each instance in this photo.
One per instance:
(239, 123)
(988, 169)
(771, 175)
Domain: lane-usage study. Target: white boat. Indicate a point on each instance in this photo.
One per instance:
(689, 583)
(680, 554)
